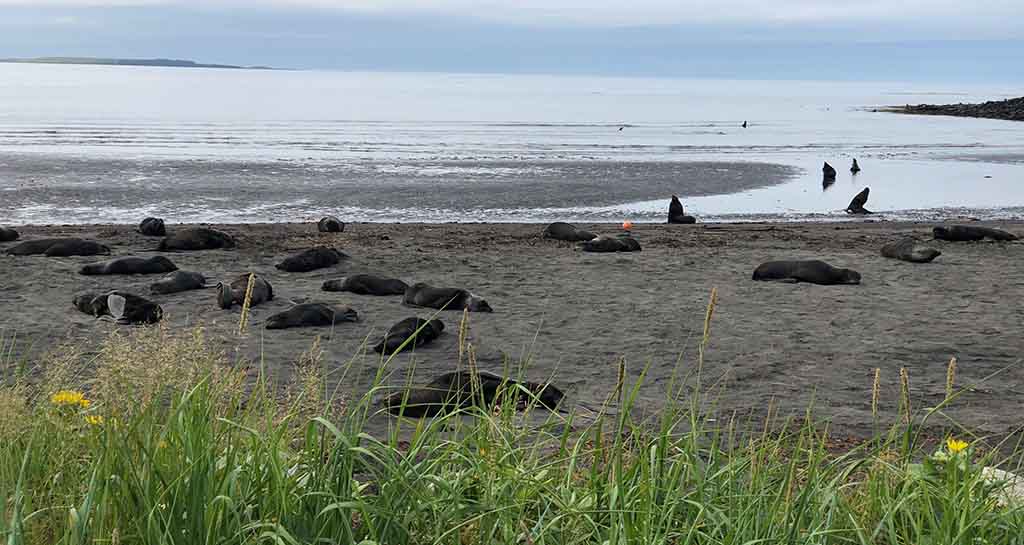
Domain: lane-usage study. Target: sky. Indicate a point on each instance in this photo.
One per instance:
(910, 40)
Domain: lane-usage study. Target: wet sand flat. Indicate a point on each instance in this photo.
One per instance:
(573, 315)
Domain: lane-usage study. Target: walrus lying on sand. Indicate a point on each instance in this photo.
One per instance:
(366, 284)
(198, 238)
(857, 204)
(123, 307)
(7, 234)
(312, 259)
(130, 265)
(179, 281)
(605, 244)
(424, 295)
(813, 271)
(419, 330)
(59, 247)
(330, 224)
(153, 227)
(910, 249)
(560, 230)
(969, 233)
(457, 390)
(311, 315)
(676, 213)
(234, 293)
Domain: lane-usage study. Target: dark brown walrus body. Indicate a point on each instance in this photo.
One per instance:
(425, 332)
(560, 230)
(857, 204)
(8, 235)
(606, 244)
(813, 271)
(198, 238)
(676, 213)
(312, 259)
(124, 307)
(130, 265)
(366, 284)
(311, 315)
(424, 295)
(153, 227)
(910, 249)
(455, 390)
(178, 281)
(234, 293)
(330, 224)
(59, 247)
(970, 233)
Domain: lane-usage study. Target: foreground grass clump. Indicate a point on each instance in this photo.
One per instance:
(169, 442)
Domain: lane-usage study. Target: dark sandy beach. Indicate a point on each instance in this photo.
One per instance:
(573, 315)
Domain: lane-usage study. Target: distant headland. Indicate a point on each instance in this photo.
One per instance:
(1011, 110)
(173, 63)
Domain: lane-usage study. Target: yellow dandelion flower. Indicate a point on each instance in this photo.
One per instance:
(68, 397)
(84, 403)
(955, 446)
(94, 420)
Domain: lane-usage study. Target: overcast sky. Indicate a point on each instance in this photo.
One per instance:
(947, 40)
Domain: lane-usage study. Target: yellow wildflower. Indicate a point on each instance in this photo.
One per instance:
(94, 419)
(955, 446)
(68, 398)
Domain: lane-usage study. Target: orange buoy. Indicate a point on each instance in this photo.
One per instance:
(627, 225)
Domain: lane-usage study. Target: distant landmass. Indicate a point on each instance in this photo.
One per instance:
(175, 63)
(1011, 110)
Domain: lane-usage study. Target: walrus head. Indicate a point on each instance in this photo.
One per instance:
(849, 276)
(477, 304)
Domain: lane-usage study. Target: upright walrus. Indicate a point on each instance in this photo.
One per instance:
(197, 238)
(425, 295)
(461, 389)
(330, 224)
(676, 213)
(311, 315)
(178, 281)
(59, 247)
(234, 293)
(560, 230)
(828, 172)
(419, 330)
(813, 271)
(366, 284)
(130, 265)
(854, 168)
(970, 233)
(910, 249)
(153, 227)
(857, 204)
(123, 307)
(318, 257)
(7, 234)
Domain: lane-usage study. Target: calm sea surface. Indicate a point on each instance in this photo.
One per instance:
(82, 144)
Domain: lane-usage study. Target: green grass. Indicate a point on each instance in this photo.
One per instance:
(196, 449)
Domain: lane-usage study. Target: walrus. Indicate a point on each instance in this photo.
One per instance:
(813, 271)
(130, 265)
(311, 259)
(7, 234)
(230, 294)
(855, 168)
(123, 307)
(857, 204)
(560, 230)
(676, 213)
(969, 233)
(460, 390)
(605, 244)
(330, 224)
(366, 284)
(419, 330)
(197, 238)
(424, 295)
(828, 172)
(910, 249)
(153, 227)
(178, 281)
(59, 247)
(311, 315)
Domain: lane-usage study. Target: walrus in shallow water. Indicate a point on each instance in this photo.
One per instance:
(234, 293)
(124, 308)
(813, 271)
(424, 295)
(910, 249)
(419, 330)
(311, 315)
(969, 233)
(330, 224)
(676, 213)
(7, 234)
(460, 389)
(59, 247)
(857, 204)
(312, 259)
(130, 265)
(366, 284)
(827, 172)
(855, 168)
(560, 230)
(178, 281)
(153, 227)
(197, 238)
(605, 244)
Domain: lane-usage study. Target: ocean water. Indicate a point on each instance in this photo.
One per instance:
(83, 144)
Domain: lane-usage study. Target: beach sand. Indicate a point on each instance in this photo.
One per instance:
(573, 315)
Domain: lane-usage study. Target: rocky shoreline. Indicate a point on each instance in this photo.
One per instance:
(1010, 110)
